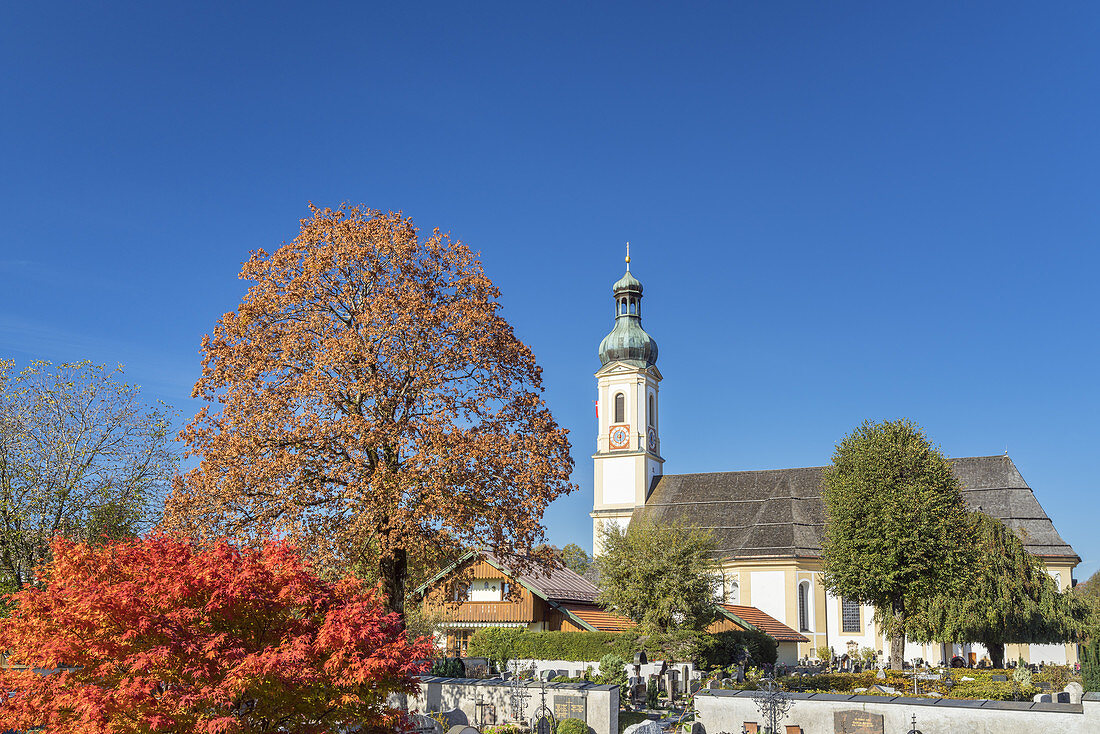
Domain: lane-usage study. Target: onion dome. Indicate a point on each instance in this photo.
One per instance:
(628, 342)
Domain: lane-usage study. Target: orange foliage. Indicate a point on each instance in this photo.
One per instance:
(151, 635)
(369, 401)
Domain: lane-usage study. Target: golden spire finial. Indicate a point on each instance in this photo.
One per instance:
(628, 257)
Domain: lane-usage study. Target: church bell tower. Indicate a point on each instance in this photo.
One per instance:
(628, 444)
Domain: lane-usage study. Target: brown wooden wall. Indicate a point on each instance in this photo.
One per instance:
(522, 606)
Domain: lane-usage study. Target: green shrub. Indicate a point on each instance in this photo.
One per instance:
(720, 649)
(1022, 675)
(651, 694)
(679, 646)
(1090, 664)
(447, 668)
(496, 644)
(572, 726)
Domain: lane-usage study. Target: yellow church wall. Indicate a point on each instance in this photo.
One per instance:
(826, 628)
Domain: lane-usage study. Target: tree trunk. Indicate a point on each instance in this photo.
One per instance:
(393, 570)
(897, 634)
(996, 654)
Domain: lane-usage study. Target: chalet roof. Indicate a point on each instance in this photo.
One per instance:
(779, 512)
(599, 618)
(559, 585)
(764, 622)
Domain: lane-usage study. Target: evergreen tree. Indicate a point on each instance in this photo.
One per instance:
(895, 524)
(1009, 598)
(661, 576)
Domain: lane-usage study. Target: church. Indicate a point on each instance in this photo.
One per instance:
(769, 524)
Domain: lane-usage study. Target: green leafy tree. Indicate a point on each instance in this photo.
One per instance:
(575, 558)
(1010, 598)
(895, 531)
(662, 576)
(81, 455)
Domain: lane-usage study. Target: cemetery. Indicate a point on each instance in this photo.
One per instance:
(643, 696)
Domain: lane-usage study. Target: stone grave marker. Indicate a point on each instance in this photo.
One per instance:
(570, 707)
(453, 718)
(694, 727)
(1061, 697)
(999, 678)
(649, 726)
(1075, 691)
(462, 730)
(1041, 698)
(857, 722)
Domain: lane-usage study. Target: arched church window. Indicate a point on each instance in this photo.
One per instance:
(620, 407)
(733, 593)
(804, 606)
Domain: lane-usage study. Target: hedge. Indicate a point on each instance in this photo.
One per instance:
(711, 650)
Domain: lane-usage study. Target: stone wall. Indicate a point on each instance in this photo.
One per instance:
(598, 705)
(822, 713)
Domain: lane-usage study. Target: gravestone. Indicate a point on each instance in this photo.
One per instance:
(1041, 698)
(453, 718)
(462, 730)
(857, 722)
(426, 725)
(649, 726)
(1075, 691)
(694, 727)
(999, 678)
(570, 707)
(1061, 697)
(881, 674)
(544, 725)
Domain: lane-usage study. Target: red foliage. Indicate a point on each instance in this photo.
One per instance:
(154, 635)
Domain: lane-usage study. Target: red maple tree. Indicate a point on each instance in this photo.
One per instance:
(155, 635)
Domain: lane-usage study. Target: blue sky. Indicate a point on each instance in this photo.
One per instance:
(839, 211)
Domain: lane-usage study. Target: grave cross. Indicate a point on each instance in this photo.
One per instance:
(772, 703)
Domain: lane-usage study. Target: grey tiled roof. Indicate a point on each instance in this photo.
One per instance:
(560, 585)
(779, 512)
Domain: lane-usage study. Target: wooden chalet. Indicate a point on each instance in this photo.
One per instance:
(480, 591)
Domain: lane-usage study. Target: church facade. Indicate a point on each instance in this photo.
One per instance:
(769, 524)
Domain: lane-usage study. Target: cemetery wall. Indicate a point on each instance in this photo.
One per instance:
(597, 705)
(573, 669)
(820, 713)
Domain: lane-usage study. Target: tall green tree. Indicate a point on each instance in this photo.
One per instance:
(1009, 598)
(81, 455)
(575, 558)
(895, 531)
(661, 576)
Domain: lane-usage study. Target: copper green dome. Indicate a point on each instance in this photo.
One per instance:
(628, 342)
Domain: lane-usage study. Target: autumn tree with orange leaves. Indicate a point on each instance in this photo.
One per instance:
(368, 401)
(152, 635)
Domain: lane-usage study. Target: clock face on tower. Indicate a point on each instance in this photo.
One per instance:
(652, 440)
(620, 437)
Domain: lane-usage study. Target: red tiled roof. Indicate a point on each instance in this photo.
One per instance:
(764, 622)
(602, 620)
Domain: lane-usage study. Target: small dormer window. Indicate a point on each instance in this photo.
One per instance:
(620, 407)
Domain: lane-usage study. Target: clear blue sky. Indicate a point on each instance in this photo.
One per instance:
(839, 211)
